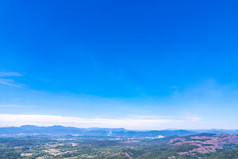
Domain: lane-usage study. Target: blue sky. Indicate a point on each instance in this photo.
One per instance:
(133, 64)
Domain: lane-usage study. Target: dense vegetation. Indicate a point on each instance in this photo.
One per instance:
(71, 147)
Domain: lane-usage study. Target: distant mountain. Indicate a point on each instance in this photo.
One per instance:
(31, 129)
(113, 132)
(116, 132)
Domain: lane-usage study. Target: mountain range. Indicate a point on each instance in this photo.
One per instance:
(113, 132)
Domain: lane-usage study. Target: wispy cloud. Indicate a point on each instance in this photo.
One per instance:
(10, 82)
(6, 79)
(4, 74)
(15, 106)
(192, 117)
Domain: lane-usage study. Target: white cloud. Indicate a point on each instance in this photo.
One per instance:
(132, 123)
(4, 74)
(191, 117)
(9, 82)
(194, 118)
(49, 120)
(4, 80)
